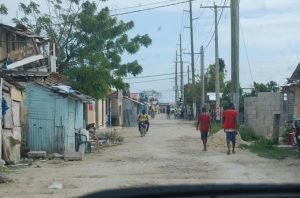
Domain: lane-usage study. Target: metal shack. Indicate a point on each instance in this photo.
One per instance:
(131, 108)
(53, 118)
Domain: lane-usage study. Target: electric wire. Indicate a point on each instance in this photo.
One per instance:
(151, 8)
(207, 45)
(142, 5)
(246, 51)
(155, 75)
(154, 80)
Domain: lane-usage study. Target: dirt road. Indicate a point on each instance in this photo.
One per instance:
(171, 154)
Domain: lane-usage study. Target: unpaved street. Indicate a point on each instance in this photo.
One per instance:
(171, 154)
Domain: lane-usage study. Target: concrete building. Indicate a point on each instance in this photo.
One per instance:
(260, 112)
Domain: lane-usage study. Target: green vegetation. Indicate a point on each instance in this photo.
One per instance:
(247, 134)
(3, 9)
(215, 127)
(264, 147)
(4, 169)
(90, 43)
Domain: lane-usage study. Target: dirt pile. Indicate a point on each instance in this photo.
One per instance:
(219, 139)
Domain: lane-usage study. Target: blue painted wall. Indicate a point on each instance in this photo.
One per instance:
(52, 119)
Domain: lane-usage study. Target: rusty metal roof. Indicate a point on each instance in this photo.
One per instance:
(22, 32)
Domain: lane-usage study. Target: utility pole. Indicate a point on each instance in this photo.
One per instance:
(188, 75)
(202, 77)
(181, 71)
(176, 85)
(217, 82)
(192, 53)
(235, 52)
(218, 110)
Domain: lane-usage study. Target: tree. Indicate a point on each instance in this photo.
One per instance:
(268, 87)
(226, 97)
(89, 43)
(210, 76)
(192, 91)
(3, 9)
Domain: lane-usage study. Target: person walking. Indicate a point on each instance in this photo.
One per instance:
(168, 112)
(230, 126)
(204, 122)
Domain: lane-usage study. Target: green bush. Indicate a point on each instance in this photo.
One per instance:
(247, 134)
(215, 127)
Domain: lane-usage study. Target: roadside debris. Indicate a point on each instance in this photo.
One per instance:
(52, 156)
(5, 180)
(56, 185)
(37, 154)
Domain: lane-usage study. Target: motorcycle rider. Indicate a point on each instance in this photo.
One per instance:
(143, 117)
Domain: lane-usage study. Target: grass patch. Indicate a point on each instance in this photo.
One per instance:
(4, 169)
(264, 147)
(247, 134)
(215, 127)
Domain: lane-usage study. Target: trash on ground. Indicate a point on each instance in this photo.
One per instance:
(56, 185)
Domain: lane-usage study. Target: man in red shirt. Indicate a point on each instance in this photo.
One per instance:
(230, 126)
(204, 121)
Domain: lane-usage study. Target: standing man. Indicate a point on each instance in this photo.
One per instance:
(168, 112)
(230, 126)
(204, 121)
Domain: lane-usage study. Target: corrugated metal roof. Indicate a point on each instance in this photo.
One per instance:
(82, 97)
(21, 32)
(133, 100)
(296, 73)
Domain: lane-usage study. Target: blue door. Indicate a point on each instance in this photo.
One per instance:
(42, 136)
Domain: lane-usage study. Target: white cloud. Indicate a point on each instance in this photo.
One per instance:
(255, 5)
(272, 31)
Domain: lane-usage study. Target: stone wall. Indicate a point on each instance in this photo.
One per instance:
(260, 110)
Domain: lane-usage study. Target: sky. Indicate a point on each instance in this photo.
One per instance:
(269, 39)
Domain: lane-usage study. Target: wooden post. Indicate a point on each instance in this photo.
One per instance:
(276, 120)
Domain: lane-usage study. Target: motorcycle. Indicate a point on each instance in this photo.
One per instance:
(143, 129)
(152, 114)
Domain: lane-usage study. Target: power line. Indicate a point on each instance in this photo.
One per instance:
(246, 51)
(142, 5)
(152, 8)
(149, 76)
(201, 11)
(206, 46)
(152, 80)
